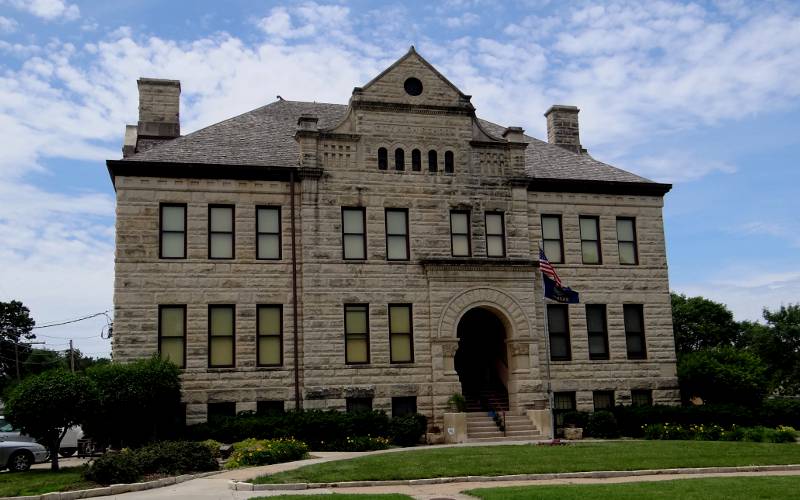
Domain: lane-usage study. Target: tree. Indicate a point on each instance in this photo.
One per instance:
(700, 323)
(45, 406)
(778, 343)
(16, 325)
(723, 375)
(139, 402)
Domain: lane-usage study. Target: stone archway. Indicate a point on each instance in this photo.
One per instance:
(481, 360)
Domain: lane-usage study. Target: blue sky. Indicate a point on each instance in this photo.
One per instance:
(705, 95)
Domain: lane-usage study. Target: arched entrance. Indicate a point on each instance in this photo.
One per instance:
(481, 360)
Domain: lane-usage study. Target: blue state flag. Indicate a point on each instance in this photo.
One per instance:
(564, 294)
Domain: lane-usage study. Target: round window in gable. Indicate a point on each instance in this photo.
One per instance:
(413, 86)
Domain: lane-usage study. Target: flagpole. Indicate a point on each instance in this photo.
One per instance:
(547, 362)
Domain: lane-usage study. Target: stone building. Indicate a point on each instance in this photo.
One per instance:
(384, 254)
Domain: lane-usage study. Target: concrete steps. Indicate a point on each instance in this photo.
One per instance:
(482, 428)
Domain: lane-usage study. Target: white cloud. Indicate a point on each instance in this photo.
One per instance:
(464, 20)
(49, 10)
(782, 230)
(305, 20)
(8, 25)
(676, 166)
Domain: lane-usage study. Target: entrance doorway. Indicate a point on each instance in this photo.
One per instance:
(481, 360)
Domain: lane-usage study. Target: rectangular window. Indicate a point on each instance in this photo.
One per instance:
(172, 231)
(172, 334)
(558, 327)
(354, 238)
(220, 231)
(401, 339)
(642, 397)
(268, 407)
(396, 234)
(222, 409)
(495, 235)
(269, 326)
(221, 332)
(634, 331)
(563, 402)
(552, 238)
(460, 233)
(626, 240)
(603, 400)
(268, 233)
(355, 405)
(598, 331)
(356, 333)
(590, 239)
(406, 405)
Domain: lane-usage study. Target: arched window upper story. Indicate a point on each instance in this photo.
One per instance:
(433, 161)
(399, 159)
(449, 165)
(383, 159)
(416, 160)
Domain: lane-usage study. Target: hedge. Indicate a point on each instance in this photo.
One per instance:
(162, 458)
(266, 452)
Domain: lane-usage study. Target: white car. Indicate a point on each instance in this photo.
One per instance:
(18, 456)
(69, 445)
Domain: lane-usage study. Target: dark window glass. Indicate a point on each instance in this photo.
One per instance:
(597, 330)
(268, 233)
(406, 405)
(449, 162)
(401, 338)
(413, 86)
(172, 334)
(354, 238)
(558, 327)
(626, 240)
(563, 402)
(268, 407)
(399, 159)
(221, 335)
(433, 161)
(358, 404)
(603, 400)
(356, 333)
(460, 233)
(269, 329)
(383, 159)
(396, 234)
(416, 160)
(590, 240)
(495, 235)
(634, 331)
(642, 397)
(220, 232)
(552, 238)
(222, 409)
(172, 231)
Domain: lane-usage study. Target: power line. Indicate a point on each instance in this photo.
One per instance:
(104, 313)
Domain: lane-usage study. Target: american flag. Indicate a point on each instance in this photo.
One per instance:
(547, 268)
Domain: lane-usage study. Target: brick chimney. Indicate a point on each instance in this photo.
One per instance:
(159, 115)
(562, 127)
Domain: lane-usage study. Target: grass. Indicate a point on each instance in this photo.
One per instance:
(717, 488)
(522, 459)
(38, 481)
(337, 496)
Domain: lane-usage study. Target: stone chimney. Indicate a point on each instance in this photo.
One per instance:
(562, 127)
(159, 115)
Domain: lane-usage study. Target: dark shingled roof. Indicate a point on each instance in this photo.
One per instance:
(265, 137)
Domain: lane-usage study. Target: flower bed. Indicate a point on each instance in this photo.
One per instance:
(713, 432)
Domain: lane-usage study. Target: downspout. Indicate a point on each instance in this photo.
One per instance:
(298, 403)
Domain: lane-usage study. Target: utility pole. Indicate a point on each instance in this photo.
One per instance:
(16, 354)
(71, 357)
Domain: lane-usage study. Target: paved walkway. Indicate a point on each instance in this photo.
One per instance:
(216, 486)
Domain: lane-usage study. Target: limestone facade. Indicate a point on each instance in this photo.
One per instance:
(332, 162)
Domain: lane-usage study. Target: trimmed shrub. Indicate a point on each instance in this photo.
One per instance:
(164, 458)
(758, 434)
(213, 447)
(266, 452)
(406, 430)
(601, 424)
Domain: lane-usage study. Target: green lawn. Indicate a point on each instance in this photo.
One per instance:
(721, 488)
(521, 459)
(38, 481)
(337, 496)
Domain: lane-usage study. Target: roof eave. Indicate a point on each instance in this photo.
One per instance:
(550, 185)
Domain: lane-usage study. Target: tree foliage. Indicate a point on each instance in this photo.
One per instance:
(44, 406)
(16, 325)
(723, 375)
(777, 343)
(700, 323)
(139, 402)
